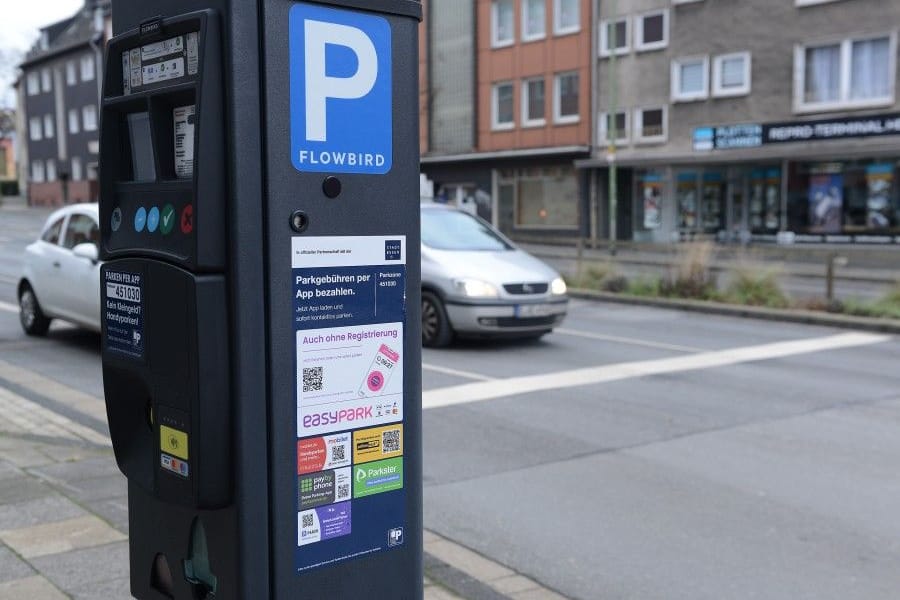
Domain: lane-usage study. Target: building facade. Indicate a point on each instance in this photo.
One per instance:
(508, 110)
(59, 93)
(737, 121)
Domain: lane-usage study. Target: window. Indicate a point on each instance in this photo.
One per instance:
(540, 198)
(80, 230)
(849, 73)
(690, 78)
(37, 171)
(51, 234)
(502, 112)
(51, 169)
(71, 73)
(566, 16)
(534, 20)
(652, 30)
(87, 68)
(533, 103)
(565, 98)
(33, 84)
(622, 133)
(731, 74)
(45, 80)
(48, 126)
(34, 129)
(73, 120)
(619, 27)
(89, 116)
(502, 26)
(650, 125)
(77, 173)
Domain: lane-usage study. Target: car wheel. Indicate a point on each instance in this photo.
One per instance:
(436, 331)
(33, 320)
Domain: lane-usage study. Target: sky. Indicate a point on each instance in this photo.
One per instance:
(19, 29)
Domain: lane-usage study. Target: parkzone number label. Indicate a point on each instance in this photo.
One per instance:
(121, 291)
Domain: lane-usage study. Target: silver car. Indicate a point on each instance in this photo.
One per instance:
(477, 283)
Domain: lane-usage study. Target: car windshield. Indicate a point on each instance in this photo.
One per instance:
(454, 230)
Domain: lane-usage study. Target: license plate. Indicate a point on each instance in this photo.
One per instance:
(536, 310)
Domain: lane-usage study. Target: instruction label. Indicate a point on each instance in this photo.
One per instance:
(159, 62)
(123, 312)
(349, 312)
(183, 117)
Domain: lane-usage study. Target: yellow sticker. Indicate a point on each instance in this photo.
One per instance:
(377, 443)
(173, 442)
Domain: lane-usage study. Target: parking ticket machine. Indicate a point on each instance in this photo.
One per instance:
(260, 296)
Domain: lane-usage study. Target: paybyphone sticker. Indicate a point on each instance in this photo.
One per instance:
(123, 312)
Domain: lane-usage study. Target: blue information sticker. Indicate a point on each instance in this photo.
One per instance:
(340, 91)
(123, 312)
(349, 305)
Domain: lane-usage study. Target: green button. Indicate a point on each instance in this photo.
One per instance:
(167, 220)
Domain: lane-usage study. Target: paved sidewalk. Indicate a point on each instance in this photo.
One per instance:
(64, 515)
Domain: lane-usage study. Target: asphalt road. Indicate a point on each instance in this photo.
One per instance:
(638, 453)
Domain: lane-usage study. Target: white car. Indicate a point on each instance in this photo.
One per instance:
(61, 273)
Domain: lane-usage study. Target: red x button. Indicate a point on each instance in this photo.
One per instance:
(187, 219)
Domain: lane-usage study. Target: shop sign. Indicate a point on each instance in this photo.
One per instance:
(729, 137)
(832, 129)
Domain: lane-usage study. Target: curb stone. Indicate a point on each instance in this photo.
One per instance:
(807, 317)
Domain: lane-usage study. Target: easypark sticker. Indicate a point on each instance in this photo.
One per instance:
(321, 453)
(377, 443)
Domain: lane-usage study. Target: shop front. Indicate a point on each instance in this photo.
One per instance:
(727, 203)
(826, 181)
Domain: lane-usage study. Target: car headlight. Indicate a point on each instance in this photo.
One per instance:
(558, 286)
(475, 288)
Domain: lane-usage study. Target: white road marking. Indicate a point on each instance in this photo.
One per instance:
(8, 307)
(626, 340)
(456, 372)
(499, 388)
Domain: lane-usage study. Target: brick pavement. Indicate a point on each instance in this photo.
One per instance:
(64, 515)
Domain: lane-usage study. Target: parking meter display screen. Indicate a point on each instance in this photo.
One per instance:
(143, 167)
(158, 62)
(349, 313)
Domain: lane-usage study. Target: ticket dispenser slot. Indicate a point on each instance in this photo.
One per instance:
(165, 327)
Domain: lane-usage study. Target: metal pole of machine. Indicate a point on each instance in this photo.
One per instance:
(612, 130)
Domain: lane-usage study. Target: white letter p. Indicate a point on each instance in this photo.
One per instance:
(319, 86)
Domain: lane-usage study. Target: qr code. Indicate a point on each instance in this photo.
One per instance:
(339, 452)
(308, 520)
(312, 379)
(343, 490)
(390, 441)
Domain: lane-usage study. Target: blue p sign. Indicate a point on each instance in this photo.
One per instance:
(341, 109)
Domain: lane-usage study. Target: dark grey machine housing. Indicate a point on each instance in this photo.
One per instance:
(217, 360)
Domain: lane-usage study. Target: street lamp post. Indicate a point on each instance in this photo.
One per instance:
(611, 128)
